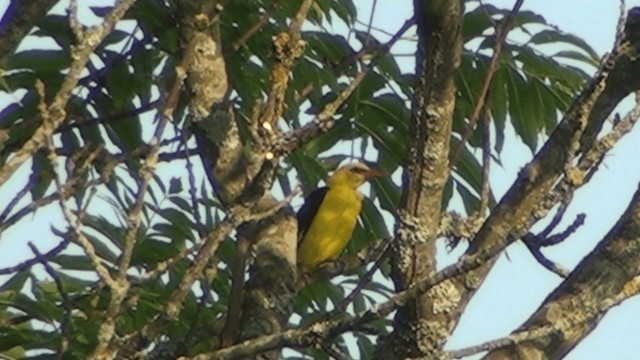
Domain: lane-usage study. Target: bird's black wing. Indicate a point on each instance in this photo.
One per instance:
(308, 211)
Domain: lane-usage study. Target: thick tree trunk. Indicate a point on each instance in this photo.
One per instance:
(439, 48)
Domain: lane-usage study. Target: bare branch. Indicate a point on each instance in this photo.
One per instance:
(38, 259)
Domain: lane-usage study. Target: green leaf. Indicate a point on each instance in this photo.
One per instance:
(127, 133)
(385, 118)
(30, 307)
(576, 55)
(41, 175)
(15, 282)
(73, 262)
(477, 21)
(499, 107)
(468, 167)
(328, 49)
(175, 185)
(387, 192)
(346, 10)
(524, 123)
(110, 232)
(556, 37)
(115, 37)
(365, 346)
(56, 26)
(309, 171)
(151, 251)
(39, 60)
(524, 17)
(373, 221)
(101, 11)
(470, 201)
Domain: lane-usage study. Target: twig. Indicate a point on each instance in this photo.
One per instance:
(192, 186)
(334, 351)
(369, 25)
(380, 255)
(535, 242)
(586, 167)
(324, 121)
(108, 163)
(163, 266)
(73, 220)
(346, 265)
(373, 48)
(485, 191)
(134, 219)
(501, 34)
(66, 321)
(534, 248)
(236, 295)
(29, 263)
(256, 27)
(79, 123)
(22, 193)
(558, 238)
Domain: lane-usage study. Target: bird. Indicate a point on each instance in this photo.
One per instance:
(328, 217)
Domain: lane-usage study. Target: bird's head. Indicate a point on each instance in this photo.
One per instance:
(353, 175)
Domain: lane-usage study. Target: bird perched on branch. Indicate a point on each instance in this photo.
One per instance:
(328, 217)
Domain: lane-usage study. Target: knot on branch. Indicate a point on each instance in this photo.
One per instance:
(535, 242)
(324, 124)
(288, 49)
(207, 76)
(455, 227)
(430, 335)
(445, 297)
(410, 229)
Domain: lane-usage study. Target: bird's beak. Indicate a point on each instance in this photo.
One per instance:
(375, 173)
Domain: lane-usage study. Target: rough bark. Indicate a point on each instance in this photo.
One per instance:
(269, 293)
(439, 48)
(230, 169)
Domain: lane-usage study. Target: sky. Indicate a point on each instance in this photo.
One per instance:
(517, 285)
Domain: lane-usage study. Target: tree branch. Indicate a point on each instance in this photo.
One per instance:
(575, 307)
(20, 17)
(80, 54)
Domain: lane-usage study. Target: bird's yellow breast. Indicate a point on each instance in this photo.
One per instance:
(331, 228)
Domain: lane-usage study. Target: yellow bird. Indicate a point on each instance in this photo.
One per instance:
(328, 217)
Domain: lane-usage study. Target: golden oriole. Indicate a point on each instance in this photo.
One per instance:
(328, 217)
